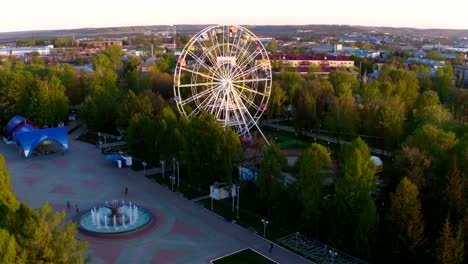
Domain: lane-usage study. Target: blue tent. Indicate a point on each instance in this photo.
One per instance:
(28, 136)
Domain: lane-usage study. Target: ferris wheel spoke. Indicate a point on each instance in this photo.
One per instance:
(200, 74)
(197, 96)
(249, 71)
(248, 89)
(207, 54)
(252, 80)
(198, 84)
(239, 104)
(200, 106)
(250, 58)
(202, 63)
(243, 109)
(249, 101)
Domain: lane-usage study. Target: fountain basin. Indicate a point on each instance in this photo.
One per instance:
(121, 224)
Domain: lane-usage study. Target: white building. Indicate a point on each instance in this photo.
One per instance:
(23, 51)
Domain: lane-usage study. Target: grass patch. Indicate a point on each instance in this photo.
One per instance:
(247, 219)
(188, 191)
(246, 256)
(88, 137)
(74, 129)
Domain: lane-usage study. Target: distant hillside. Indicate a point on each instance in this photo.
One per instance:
(264, 30)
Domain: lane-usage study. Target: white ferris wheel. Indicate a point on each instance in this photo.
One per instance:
(225, 71)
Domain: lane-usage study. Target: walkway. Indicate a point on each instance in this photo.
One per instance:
(271, 124)
(184, 232)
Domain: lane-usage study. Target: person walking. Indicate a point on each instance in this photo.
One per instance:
(68, 204)
(270, 247)
(126, 190)
(76, 206)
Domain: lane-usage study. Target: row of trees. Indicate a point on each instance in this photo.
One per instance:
(344, 107)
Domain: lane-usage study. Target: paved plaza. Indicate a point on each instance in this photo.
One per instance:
(183, 232)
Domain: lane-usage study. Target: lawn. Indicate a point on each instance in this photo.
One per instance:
(248, 219)
(246, 256)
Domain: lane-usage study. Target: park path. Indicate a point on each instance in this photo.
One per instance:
(271, 123)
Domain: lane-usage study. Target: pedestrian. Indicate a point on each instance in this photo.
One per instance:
(270, 248)
(126, 190)
(76, 206)
(68, 204)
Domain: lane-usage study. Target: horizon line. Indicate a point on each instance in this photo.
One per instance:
(247, 24)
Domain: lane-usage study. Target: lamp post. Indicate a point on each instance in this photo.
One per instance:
(238, 194)
(332, 253)
(178, 174)
(173, 165)
(265, 223)
(144, 167)
(172, 181)
(162, 168)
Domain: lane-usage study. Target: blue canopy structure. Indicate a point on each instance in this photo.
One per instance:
(28, 136)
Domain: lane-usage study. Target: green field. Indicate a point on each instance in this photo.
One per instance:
(246, 256)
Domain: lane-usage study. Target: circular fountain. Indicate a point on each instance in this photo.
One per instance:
(115, 217)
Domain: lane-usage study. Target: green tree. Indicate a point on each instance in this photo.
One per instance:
(270, 179)
(74, 89)
(342, 115)
(52, 240)
(444, 83)
(277, 100)
(344, 82)
(354, 204)
(7, 197)
(400, 82)
(433, 55)
(313, 166)
(405, 213)
(391, 115)
(450, 249)
(210, 151)
(272, 46)
(132, 105)
(170, 134)
(114, 54)
(414, 163)
(455, 193)
(142, 137)
(9, 249)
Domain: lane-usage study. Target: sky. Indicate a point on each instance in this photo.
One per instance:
(23, 15)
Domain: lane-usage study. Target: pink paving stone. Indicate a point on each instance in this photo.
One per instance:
(87, 170)
(29, 180)
(62, 189)
(107, 252)
(12, 160)
(59, 207)
(34, 166)
(59, 163)
(179, 228)
(167, 256)
(91, 185)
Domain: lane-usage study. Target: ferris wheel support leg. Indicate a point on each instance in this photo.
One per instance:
(261, 133)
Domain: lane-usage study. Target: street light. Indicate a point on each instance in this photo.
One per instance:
(265, 223)
(162, 167)
(144, 167)
(173, 181)
(333, 254)
(238, 194)
(178, 173)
